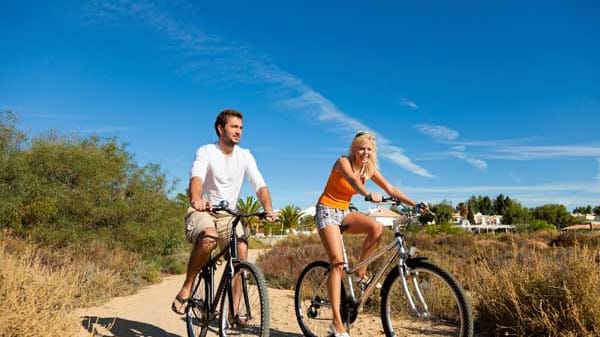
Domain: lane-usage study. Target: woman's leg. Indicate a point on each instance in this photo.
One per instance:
(360, 223)
(330, 237)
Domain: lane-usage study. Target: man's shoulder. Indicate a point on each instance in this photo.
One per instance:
(242, 151)
(207, 147)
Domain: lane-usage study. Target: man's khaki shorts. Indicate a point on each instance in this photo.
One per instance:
(196, 222)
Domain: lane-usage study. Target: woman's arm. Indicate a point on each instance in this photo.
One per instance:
(380, 180)
(343, 166)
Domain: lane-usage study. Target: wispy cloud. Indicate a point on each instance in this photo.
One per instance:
(438, 132)
(241, 64)
(409, 103)
(478, 163)
(540, 152)
(445, 134)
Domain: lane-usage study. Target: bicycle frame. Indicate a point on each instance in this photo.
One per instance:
(225, 283)
(400, 256)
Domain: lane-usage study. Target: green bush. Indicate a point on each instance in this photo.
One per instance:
(64, 191)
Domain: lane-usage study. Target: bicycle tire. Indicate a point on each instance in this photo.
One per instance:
(448, 311)
(311, 300)
(197, 311)
(252, 305)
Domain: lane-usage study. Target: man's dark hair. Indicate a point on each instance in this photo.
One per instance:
(222, 118)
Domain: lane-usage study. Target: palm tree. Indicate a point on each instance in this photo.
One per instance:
(307, 222)
(250, 205)
(289, 216)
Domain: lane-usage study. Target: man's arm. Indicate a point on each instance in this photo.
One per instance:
(264, 197)
(196, 199)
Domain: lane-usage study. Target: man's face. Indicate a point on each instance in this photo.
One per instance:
(232, 132)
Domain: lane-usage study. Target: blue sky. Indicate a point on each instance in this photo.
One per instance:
(465, 97)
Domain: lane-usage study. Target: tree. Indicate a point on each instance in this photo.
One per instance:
(470, 215)
(499, 204)
(307, 222)
(597, 210)
(463, 209)
(11, 139)
(473, 205)
(249, 205)
(514, 214)
(486, 206)
(289, 216)
(554, 214)
(443, 213)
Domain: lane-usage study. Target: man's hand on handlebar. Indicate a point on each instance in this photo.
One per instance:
(201, 204)
(271, 217)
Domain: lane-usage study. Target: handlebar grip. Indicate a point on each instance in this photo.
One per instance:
(384, 199)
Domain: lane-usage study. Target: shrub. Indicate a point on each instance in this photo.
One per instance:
(539, 293)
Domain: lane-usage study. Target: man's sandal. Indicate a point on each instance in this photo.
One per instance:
(180, 310)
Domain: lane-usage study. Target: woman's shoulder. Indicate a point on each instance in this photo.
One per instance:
(342, 164)
(342, 159)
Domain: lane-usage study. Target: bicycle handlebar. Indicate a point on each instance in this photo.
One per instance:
(224, 206)
(418, 209)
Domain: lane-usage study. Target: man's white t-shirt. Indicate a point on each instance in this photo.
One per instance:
(223, 175)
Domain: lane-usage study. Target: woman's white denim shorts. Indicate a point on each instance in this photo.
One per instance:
(328, 216)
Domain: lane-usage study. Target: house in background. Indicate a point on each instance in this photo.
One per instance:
(383, 215)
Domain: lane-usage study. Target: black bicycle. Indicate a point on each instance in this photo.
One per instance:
(240, 304)
(417, 298)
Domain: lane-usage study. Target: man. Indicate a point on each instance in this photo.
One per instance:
(217, 174)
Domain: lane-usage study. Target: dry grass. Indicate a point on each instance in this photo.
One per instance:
(538, 284)
(35, 300)
(539, 292)
(39, 288)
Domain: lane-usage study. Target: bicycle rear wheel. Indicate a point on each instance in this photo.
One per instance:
(246, 314)
(442, 307)
(311, 300)
(197, 311)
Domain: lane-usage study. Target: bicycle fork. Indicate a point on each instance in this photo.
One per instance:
(406, 274)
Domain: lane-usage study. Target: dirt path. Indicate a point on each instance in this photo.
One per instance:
(148, 313)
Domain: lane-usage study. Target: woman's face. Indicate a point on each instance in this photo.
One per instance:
(363, 151)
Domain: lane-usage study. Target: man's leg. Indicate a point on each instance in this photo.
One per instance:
(200, 230)
(205, 244)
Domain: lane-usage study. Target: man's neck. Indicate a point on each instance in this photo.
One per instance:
(226, 149)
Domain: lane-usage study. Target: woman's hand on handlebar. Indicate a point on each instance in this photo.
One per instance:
(374, 197)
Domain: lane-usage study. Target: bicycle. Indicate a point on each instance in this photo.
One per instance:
(417, 296)
(206, 305)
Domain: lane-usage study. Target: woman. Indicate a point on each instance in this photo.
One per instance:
(348, 177)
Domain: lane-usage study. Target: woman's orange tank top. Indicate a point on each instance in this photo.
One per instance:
(338, 191)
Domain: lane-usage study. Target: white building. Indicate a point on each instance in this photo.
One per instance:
(383, 215)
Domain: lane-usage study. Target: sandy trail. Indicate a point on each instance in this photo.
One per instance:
(148, 313)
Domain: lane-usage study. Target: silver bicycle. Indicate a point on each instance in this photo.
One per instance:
(418, 297)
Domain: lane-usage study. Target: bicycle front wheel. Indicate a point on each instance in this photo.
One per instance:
(311, 300)
(245, 309)
(441, 307)
(197, 312)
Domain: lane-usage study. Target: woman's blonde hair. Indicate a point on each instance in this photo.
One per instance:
(360, 138)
